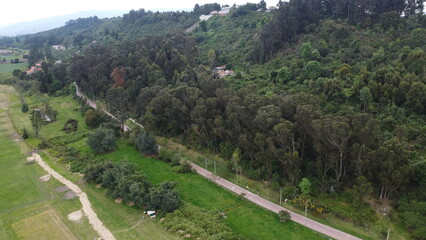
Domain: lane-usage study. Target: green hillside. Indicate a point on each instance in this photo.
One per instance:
(332, 92)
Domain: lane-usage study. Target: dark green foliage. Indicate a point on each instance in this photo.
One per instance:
(93, 118)
(122, 179)
(199, 224)
(70, 126)
(102, 140)
(164, 197)
(37, 120)
(24, 108)
(284, 216)
(185, 167)
(146, 143)
(24, 133)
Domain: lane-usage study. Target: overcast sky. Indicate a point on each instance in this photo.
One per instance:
(26, 10)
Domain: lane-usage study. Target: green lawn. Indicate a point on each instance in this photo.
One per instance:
(123, 221)
(243, 217)
(8, 68)
(30, 208)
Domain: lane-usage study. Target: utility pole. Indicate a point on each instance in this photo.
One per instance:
(214, 164)
(281, 195)
(306, 211)
(388, 234)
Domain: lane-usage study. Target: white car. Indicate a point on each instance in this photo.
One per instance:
(151, 214)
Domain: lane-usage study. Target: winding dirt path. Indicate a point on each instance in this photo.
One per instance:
(98, 226)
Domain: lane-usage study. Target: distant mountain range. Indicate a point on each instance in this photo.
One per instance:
(53, 22)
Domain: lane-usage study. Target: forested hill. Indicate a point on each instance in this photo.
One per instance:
(330, 90)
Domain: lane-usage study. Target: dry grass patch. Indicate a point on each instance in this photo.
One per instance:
(46, 225)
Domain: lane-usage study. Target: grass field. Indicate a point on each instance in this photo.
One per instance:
(123, 221)
(243, 217)
(264, 190)
(8, 68)
(30, 209)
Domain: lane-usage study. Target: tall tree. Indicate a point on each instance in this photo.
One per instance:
(37, 120)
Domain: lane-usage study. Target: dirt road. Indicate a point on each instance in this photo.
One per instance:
(321, 228)
(98, 226)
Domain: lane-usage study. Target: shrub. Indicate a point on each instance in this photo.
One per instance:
(24, 133)
(102, 140)
(146, 144)
(70, 126)
(93, 118)
(284, 216)
(164, 197)
(165, 155)
(185, 167)
(24, 108)
(289, 192)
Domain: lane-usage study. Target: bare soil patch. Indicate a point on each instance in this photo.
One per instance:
(45, 178)
(70, 195)
(76, 216)
(62, 189)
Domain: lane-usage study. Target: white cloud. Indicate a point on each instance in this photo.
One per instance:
(26, 10)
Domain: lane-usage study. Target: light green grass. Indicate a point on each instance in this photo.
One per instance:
(23, 196)
(243, 217)
(264, 190)
(8, 67)
(123, 221)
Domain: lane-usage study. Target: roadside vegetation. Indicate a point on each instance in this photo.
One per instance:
(329, 93)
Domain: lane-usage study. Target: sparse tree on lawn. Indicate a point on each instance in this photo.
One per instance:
(102, 140)
(37, 120)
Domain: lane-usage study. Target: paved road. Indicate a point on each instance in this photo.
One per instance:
(314, 225)
(93, 104)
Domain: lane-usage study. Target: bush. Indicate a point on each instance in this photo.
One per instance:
(165, 155)
(24, 133)
(164, 197)
(102, 140)
(146, 144)
(24, 108)
(284, 216)
(289, 192)
(70, 126)
(93, 118)
(185, 167)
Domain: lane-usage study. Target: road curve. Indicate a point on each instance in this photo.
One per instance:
(314, 225)
(96, 223)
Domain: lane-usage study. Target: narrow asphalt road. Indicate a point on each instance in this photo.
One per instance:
(93, 104)
(314, 225)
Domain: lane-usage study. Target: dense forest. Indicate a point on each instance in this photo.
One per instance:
(331, 90)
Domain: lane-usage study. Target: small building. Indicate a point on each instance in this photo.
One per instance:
(58, 47)
(221, 72)
(34, 69)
